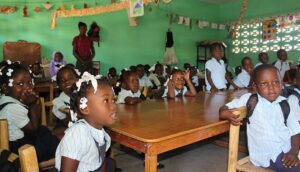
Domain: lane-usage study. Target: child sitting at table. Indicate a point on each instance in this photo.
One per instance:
(130, 93)
(216, 76)
(21, 107)
(272, 127)
(65, 78)
(56, 63)
(195, 78)
(37, 70)
(156, 77)
(242, 80)
(84, 145)
(175, 86)
(112, 76)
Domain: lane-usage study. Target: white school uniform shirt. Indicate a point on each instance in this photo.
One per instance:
(61, 102)
(184, 90)
(154, 78)
(242, 80)
(16, 114)
(294, 102)
(79, 144)
(145, 82)
(282, 67)
(218, 71)
(127, 93)
(195, 80)
(258, 64)
(267, 134)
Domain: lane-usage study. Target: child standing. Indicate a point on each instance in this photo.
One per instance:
(242, 80)
(130, 93)
(273, 139)
(263, 58)
(281, 64)
(56, 63)
(216, 76)
(66, 77)
(21, 108)
(175, 86)
(84, 145)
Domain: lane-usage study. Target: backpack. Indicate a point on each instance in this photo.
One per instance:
(252, 101)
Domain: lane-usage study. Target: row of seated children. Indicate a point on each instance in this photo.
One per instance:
(273, 130)
(85, 142)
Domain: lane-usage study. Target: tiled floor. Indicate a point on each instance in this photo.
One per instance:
(199, 157)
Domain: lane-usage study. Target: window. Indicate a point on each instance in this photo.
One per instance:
(249, 39)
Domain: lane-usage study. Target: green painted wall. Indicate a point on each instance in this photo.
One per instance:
(121, 45)
(256, 9)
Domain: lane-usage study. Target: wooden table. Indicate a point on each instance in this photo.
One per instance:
(157, 126)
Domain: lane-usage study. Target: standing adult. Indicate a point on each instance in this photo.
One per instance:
(83, 49)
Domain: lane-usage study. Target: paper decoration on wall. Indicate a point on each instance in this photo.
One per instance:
(8, 9)
(25, 13)
(90, 11)
(269, 30)
(214, 25)
(37, 9)
(222, 27)
(187, 21)
(136, 8)
(180, 20)
(202, 24)
(47, 6)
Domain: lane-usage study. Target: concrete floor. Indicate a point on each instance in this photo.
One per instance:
(198, 157)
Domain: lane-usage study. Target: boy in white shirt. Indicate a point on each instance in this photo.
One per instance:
(215, 71)
(273, 139)
(263, 58)
(242, 80)
(281, 64)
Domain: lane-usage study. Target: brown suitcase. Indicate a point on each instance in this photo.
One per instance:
(25, 52)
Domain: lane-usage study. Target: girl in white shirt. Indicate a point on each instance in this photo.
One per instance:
(84, 145)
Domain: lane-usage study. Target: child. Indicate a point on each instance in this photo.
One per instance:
(195, 78)
(84, 145)
(273, 137)
(157, 77)
(56, 63)
(37, 70)
(215, 71)
(242, 80)
(112, 77)
(21, 108)
(294, 97)
(130, 93)
(175, 86)
(281, 64)
(186, 66)
(143, 79)
(65, 78)
(263, 58)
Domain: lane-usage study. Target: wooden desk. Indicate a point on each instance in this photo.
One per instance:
(157, 126)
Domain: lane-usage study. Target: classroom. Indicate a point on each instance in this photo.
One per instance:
(150, 85)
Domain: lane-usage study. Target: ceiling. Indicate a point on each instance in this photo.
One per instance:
(217, 1)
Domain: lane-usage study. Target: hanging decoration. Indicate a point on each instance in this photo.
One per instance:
(93, 33)
(136, 8)
(90, 11)
(37, 9)
(232, 33)
(85, 5)
(269, 30)
(47, 6)
(25, 13)
(8, 9)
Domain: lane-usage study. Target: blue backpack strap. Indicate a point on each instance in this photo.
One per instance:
(251, 103)
(285, 108)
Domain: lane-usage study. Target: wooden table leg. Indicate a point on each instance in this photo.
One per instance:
(150, 163)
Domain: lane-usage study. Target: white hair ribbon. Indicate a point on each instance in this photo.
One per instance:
(83, 101)
(10, 82)
(8, 62)
(32, 81)
(9, 71)
(77, 71)
(86, 77)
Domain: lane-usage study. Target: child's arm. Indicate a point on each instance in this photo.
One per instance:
(208, 77)
(192, 91)
(227, 77)
(132, 100)
(290, 159)
(225, 113)
(171, 89)
(31, 99)
(68, 164)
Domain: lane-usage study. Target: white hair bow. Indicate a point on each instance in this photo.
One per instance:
(86, 77)
(8, 62)
(9, 71)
